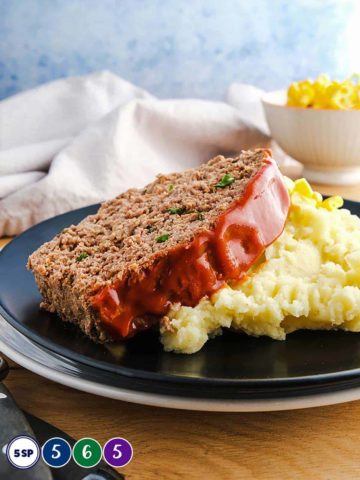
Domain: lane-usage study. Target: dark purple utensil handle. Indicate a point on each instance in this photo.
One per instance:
(4, 368)
(104, 475)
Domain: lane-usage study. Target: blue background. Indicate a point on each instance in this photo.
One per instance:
(175, 48)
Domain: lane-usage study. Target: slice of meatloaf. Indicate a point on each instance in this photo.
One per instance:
(174, 241)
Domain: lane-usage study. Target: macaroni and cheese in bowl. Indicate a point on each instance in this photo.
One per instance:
(318, 123)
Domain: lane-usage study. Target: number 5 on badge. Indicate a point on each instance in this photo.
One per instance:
(117, 452)
(56, 452)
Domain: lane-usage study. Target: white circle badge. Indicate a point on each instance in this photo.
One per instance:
(23, 452)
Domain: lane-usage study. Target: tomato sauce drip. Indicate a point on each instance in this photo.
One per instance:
(189, 272)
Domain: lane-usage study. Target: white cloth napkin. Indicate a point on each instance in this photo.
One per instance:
(82, 140)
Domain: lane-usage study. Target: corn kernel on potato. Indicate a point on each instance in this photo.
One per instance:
(309, 278)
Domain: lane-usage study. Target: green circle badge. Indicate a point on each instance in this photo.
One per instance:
(87, 452)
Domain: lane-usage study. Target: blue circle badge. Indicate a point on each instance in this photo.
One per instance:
(56, 452)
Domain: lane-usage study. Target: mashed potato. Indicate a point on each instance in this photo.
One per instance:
(308, 278)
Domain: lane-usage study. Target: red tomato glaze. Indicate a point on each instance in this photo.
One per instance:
(189, 272)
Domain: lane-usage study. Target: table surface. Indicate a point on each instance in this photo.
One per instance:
(317, 443)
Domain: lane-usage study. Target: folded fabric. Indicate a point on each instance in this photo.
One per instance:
(12, 183)
(82, 140)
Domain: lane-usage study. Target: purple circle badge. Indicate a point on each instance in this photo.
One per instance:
(117, 452)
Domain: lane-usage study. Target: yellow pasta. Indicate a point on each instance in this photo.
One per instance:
(325, 93)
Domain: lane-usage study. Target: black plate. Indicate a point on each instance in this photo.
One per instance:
(226, 366)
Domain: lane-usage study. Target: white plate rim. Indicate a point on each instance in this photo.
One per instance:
(175, 402)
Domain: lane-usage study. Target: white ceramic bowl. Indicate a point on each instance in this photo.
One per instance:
(326, 142)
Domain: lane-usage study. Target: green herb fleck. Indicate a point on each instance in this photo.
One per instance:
(200, 216)
(150, 228)
(163, 238)
(226, 180)
(82, 256)
(65, 230)
(171, 187)
(177, 210)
